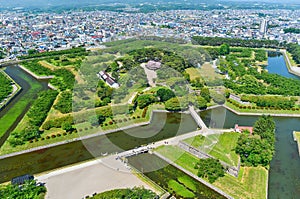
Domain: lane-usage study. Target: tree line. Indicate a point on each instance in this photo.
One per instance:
(35, 54)
(36, 116)
(252, 43)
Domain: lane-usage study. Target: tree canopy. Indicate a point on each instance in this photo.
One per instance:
(165, 94)
(27, 190)
(135, 193)
(258, 149)
(210, 168)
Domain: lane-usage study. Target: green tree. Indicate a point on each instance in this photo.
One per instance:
(210, 168)
(165, 94)
(205, 94)
(145, 100)
(201, 103)
(224, 49)
(176, 104)
(94, 120)
(27, 190)
(32, 51)
(265, 128)
(218, 98)
(67, 126)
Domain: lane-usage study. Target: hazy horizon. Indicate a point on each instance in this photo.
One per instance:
(51, 3)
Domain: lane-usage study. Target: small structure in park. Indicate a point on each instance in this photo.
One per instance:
(240, 129)
(153, 65)
(21, 179)
(108, 79)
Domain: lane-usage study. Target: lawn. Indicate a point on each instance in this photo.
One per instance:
(219, 146)
(224, 148)
(179, 156)
(250, 184)
(196, 141)
(180, 189)
(193, 72)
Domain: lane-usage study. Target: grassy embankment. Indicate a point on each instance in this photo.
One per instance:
(10, 117)
(261, 111)
(84, 129)
(219, 146)
(250, 184)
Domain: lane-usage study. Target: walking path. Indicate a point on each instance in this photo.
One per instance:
(88, 178)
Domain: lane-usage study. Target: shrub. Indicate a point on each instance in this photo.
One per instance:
(47, 137)
(144, 112)
(53, 136)
(110, 122)
(30, 141)
(42, 138)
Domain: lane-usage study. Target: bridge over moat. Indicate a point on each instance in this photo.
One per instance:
(197, 118)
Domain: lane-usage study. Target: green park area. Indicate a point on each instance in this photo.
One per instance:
(249, 178)
(219, 146)
(87, 98)
(83, 96)
(255, 151)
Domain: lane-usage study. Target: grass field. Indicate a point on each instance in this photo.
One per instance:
(196, 141)
(179, 156)
(250, 184)
(219, 146)
(193, 72)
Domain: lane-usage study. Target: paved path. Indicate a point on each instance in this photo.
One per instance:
(87, 178)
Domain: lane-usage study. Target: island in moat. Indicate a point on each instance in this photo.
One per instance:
(137, 84)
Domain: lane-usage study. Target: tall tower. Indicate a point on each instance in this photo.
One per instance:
(263, 27)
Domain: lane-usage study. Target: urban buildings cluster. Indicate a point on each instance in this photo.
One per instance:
(21, 31)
